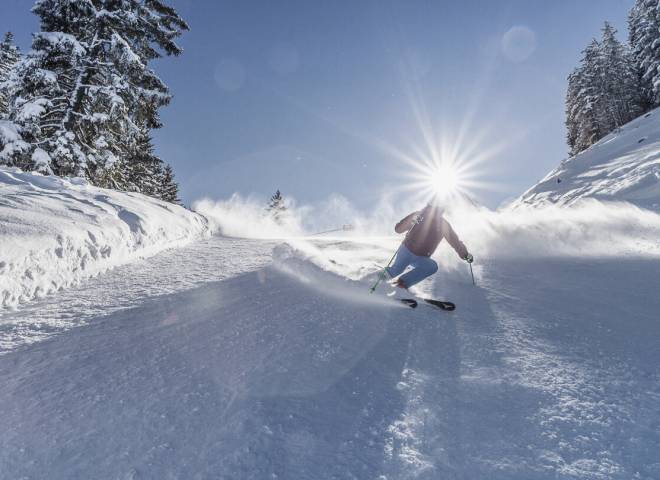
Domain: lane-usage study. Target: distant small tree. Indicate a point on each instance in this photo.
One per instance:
(9, 57)
(276, 207)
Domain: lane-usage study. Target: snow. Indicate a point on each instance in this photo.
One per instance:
(8, 132)
(41, 161)
(278, 368)
(10, 141)
(258, 352)
(31, 110)
(55, 232)
(623, 166)
(57, 38)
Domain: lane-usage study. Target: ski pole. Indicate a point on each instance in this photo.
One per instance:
(381, 275)
(471, 273)
(344, 228)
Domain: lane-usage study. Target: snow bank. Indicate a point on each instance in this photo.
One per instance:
(55, 232)
(623, 166)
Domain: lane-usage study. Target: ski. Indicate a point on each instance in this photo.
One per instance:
(409, 302)
(447, 306)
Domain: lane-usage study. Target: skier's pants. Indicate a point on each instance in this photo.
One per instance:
(422, 267)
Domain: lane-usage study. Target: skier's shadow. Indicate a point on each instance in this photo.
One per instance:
(464, 406)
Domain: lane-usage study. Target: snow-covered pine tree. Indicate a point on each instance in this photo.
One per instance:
(620, 88)
(140, 170)
(572, 110)
(87, 97)
(276, 207)
(9, 56)
(644, 40)
(44, 81)
(603, 92)
(583, 98)
(169, 189)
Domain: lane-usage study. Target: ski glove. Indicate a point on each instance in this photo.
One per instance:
(417, 219)
(469, 258)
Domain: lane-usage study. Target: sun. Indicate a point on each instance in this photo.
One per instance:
(443, 169)
(444, 179)
(440, 175)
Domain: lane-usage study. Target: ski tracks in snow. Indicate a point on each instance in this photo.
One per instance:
(550, 370)
(583, 340)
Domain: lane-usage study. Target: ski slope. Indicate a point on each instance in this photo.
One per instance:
(262, 359)
(623, 166)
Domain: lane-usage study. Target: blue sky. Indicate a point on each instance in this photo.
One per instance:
(316, 98)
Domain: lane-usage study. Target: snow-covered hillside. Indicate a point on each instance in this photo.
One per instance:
(55, 232)
(623, 166)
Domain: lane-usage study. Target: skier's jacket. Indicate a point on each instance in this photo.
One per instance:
(431, 228)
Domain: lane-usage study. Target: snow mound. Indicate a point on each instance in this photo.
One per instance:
(623, 166)
(55, 232)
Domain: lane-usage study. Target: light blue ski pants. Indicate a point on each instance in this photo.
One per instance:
(422, 267)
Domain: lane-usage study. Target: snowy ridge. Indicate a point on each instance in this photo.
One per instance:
(623, 166)
(55, 232)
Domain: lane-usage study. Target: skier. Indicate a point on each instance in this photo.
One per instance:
(426, 228)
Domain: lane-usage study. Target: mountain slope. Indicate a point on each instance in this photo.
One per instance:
(623, 166)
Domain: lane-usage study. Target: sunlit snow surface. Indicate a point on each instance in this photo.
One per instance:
(129, 285)
(258, 359)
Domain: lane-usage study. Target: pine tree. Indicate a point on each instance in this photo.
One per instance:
(644, 40)
(86, 96)
(620, 88)
(143, 169)
(582, 101)
(169, 188)
(276, 207)
(603, 92)
(43, 89)
(572, 110)
(9, 57)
